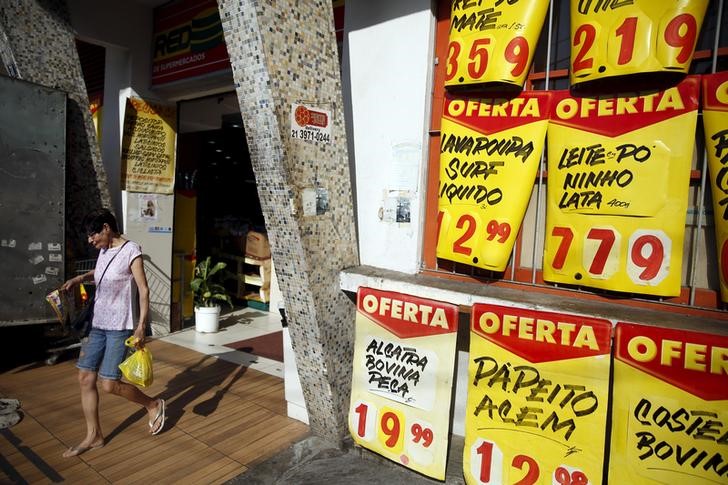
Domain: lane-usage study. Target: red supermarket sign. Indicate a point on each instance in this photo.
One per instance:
(188, 41)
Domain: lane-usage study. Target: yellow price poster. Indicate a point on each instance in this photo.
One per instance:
(617, 191)
(401, 392)
(615, 38)
(537, 398)
(492, 41)
(669, 407)
(148, 147)
(715, 124)
(490, 151)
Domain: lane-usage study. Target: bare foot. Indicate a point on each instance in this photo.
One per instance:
(83, 447)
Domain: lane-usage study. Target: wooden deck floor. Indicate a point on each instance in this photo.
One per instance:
(221, 419)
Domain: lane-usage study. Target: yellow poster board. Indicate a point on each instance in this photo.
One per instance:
(404, 357)
(715, 124)
(669, 407)
(618, 179)
(492, 41)
(490, 152)
(537, 398)
(148, 147)
(632, 37)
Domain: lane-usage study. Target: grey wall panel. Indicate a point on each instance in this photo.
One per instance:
(32, 195)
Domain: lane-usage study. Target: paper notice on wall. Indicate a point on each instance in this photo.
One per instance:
(404, 353)
(148, 147)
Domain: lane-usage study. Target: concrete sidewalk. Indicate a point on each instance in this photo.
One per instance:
(314, 461)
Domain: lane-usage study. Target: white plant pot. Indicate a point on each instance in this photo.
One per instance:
(207, 319)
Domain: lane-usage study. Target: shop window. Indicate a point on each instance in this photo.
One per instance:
(699, 281)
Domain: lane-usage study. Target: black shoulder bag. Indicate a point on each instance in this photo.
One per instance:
(81, 325)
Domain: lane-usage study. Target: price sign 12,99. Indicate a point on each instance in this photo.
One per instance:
(632, 37)
(493, 43)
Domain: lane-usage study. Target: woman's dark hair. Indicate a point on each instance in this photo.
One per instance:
(94, 221)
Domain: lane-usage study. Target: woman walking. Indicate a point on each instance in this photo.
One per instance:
(122, 268)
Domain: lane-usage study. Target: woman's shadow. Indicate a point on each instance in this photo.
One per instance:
(187, 386)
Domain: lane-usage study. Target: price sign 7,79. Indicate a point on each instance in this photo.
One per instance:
(634, 39)
(488, 466)
(641, 258)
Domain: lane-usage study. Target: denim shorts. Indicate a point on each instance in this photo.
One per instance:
(103, 351)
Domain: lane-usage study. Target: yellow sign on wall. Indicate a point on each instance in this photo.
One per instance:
(148, 147)
(537, 398)
(490, 152)
(492, 41)
(404, 355)
(618, 178)
(669, 407)
(715, 124)
(631, 37)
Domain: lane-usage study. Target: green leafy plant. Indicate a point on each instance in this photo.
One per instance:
(207, 293)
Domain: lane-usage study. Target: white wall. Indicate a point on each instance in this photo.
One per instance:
(388, 64)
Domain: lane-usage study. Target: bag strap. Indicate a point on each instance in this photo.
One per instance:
(107, 266)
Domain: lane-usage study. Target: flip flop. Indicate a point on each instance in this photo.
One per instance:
(9, 419)
(8, 405)
(77, 450)
(159, 418)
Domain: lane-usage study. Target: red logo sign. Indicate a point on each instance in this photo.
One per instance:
(541, 336)
(694, 362)
(407, 316)
(309, 117)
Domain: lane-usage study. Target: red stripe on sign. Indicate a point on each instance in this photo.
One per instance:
(541, 336)
(692, 361)
(407, 316)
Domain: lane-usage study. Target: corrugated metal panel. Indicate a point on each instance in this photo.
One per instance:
(32, 199)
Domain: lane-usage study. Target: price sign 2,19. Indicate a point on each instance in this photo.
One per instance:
(488, 465)
(628, 42)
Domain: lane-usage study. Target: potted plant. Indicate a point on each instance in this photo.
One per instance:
(207, 294)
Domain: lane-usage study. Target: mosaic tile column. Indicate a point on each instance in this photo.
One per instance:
(41, 41)
(284, 52)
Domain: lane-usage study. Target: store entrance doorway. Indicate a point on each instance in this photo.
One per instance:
(216, 205)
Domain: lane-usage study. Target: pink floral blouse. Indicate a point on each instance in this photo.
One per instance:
(115, 306)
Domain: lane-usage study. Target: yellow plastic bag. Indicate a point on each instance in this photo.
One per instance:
(137, 368)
